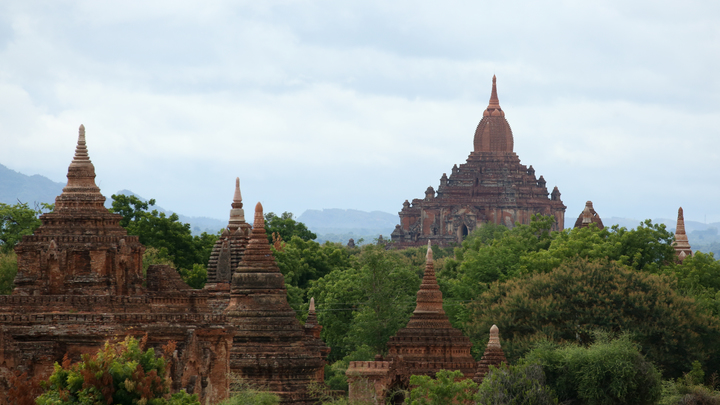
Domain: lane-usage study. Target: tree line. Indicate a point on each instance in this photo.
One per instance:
(561, 299)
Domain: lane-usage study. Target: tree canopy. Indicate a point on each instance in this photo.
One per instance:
(172, 238)
(286, 227)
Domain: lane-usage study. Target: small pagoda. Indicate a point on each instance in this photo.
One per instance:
(271, 348)
(428, 343)
(589, 216)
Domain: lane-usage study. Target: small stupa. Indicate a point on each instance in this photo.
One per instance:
(493, 355)
(429, 343)
(589, 216)
(271, 348)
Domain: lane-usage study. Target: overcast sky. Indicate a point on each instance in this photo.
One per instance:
(338, 104)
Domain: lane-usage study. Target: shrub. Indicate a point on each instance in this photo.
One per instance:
(448, 387)
(243, 393)
(510, 385)
(609, 372)
(121, 373)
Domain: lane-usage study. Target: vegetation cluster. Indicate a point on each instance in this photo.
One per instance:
(587, 316)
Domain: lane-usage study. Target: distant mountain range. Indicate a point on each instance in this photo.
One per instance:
(333, 224)
(339, 225)
(17, 187)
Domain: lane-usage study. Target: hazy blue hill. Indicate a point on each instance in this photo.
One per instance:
(339, 225)
(16, 186)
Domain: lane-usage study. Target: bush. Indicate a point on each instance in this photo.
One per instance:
(510, 385)
(448, 387)
(121, 373)
(243, 393)
(689, 390)
(8, 270)
(609, 372)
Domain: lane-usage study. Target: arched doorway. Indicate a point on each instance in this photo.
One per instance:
(462, 232)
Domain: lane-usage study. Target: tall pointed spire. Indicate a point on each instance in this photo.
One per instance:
(429, 343)
(493, 133)
(429, 297)
(494, 101)
(681, 244)
(81, 190)
(237, 214)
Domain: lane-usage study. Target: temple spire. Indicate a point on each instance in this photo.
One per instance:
(81, 190)
(429, 297)
(494, 101)
(681, 244)
(237, 198)
(237, 214)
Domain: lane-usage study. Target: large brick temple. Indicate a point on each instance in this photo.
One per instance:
(492, 186)
(80, 283)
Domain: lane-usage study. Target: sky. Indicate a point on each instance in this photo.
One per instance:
(364, 104)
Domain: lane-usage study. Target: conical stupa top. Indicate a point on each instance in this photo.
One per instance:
(237, 198)
(257, 254)
(81, 190)
(494, 337)
(312, 305)
(237, 214)
(494, 101)
(429, 297)
(587, 213)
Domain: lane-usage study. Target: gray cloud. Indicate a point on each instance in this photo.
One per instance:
(364, 104)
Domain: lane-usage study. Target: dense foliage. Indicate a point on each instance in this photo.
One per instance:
(568, 303)
(18, 220)
(286, 227)
(121, 373)
(448, 387)
(515, 385)
(608, 372)
(172, 239)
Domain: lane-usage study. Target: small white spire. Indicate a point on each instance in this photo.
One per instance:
(429, 256)
(312, 305)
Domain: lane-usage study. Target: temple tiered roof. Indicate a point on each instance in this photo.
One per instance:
(271, 348)
(429, 343)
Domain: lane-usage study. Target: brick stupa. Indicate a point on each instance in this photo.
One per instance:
(493, 355)
(681, 244)
(271, 348)
(491, 187)
(429, 343)
(588, 216)
(80, 283)
(227, 253)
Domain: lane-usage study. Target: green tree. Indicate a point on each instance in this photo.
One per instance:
(489, 254)
(287, 227)
(448, 387)
(18, 220)
(8, 270)
(646, 248)
(366, 303)
(608, 372)
(568, 303)
(168, 235)
(121, 373)
(699, 276)
(515, 385)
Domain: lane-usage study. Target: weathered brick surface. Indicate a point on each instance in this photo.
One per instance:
(80, 283)
(492, 186)
(271, 348)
